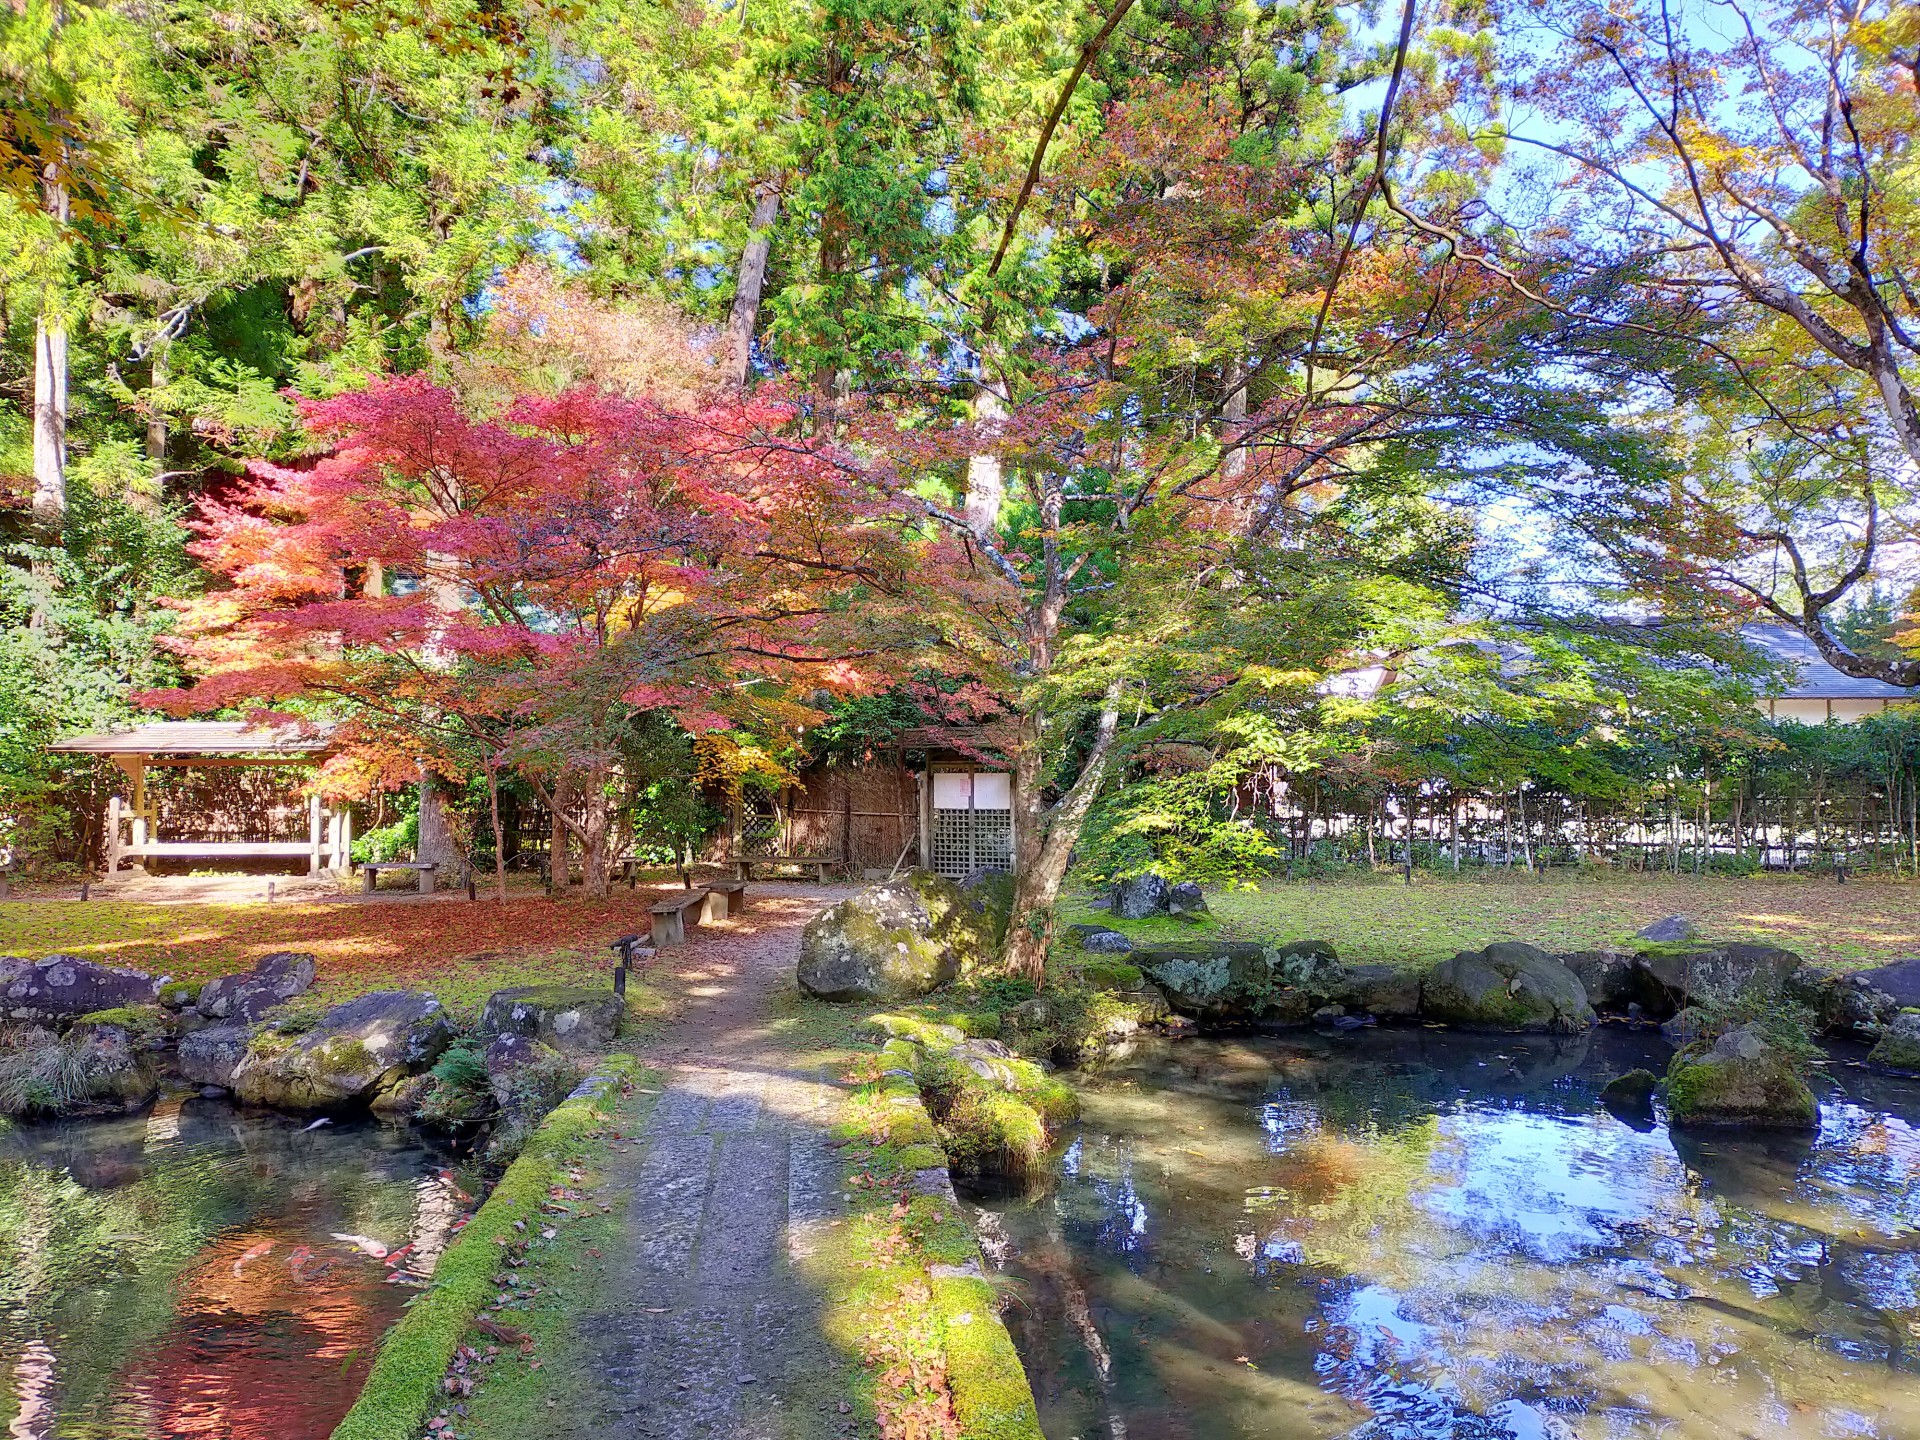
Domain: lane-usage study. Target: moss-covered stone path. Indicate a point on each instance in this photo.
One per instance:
(709, 1331)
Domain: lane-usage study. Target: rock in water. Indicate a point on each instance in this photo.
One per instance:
(1898, 978)
(62, 986)
(1507, 986)
(1899, 1046)
(1846, 1006)
(1234, 982)
(1673, 930)
(210, 1056)
(1630, 1098)
(1386, 992)
(1140, 896)
(566, 1017)
(1612, 979)
(1716, 972)
(1186, 899)
(898, 940)
(1738, 1079)
(357, 1050)
(274, 980)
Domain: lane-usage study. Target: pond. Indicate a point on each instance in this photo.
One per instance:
(201, 1270)
(1416, 1235)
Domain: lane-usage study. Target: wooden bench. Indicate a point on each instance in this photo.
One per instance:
(818, 863)
(370, 873)
(733, 897)
(670, 917)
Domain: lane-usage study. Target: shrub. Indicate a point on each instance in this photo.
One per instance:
(42, 1074)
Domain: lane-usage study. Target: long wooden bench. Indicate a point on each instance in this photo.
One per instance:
(817, 863)
(370, 873)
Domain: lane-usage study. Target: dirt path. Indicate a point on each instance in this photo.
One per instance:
(714, 1335)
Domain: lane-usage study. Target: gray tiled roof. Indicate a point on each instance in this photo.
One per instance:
(1817, 680)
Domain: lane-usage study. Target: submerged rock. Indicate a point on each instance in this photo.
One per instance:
(566, 1017)
(1630, 1098)
(356, 1050)
(274, 980)
(1899, 1045)
(898, 940)
(1738, 1079)
(1231, 982)
(63, 986)
(1140, 896)
(1507, 986)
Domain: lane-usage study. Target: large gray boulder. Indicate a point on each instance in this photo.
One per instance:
(1139, 896)
(1673, 930)
(1716, 972)
(356, 1050)
(1386, 992)
(1613, 979)
(1186, 899)
(566, 1017)
(1234, 982)
(1898, 1047)
(209, 1056)
(1507, 986)
(63, 986)
(898, 940)
(1845, 1006)
(1099, 940)
(1898, 978)
(274, 980)
(1738, 1079)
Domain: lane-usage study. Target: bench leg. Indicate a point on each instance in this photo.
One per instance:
(367, 877)
(713, 908)
(667, 930)
(426, 882)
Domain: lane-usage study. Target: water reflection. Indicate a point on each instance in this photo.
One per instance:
(1419, 1236)
(179, 1274)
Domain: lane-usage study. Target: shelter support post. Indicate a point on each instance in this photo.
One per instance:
(314, 816)
(113, 836)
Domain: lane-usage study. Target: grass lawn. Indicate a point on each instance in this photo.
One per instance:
(461, 950)
(1863, 922)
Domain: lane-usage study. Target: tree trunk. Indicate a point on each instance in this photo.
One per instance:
(499, 836)
(595, 813)
(146, 493)
(986, 479)
(559, 869)
(744, 318)
(436, 845)
(1044, 846)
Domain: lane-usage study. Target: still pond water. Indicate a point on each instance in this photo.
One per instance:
(182, 1273)
(1408, 1235)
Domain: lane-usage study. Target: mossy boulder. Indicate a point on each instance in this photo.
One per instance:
(1738, 1079)
(1229, 982)
(1846, 1006)
(1615, 980)
(901, 939)
(1898, 1047)
(1629, 1098)
(1682, 976)
(1507, 986)
(356, 1050)
(566, 1017)
(247, 997)
(1386, 992)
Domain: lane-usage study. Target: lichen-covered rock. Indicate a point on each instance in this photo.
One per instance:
(1716, 972)
(897, 940)
(1685, 1025)
(274, 980)
(1139, 896)
(1507, 986)
(567, 1017)
(63, 986)
(1738, 1079)
(1099, 940)
(1898, 1047)
(1386, 992)
(355, 1050)
(1231, 982)
(1847, 1007)
(209, 1056)
(1186, 899)
(527, 1076)
(96, 1069)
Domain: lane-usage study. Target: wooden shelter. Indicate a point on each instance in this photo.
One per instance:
(133, 824)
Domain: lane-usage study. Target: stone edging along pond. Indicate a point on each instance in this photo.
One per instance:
(404, 1386)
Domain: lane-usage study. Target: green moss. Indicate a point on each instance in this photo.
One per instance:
(921, 1157)
(347, 1055)
(1110, 975)
(179, 994)
(404, 1386)
(145, 1023)
(991, 1397)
